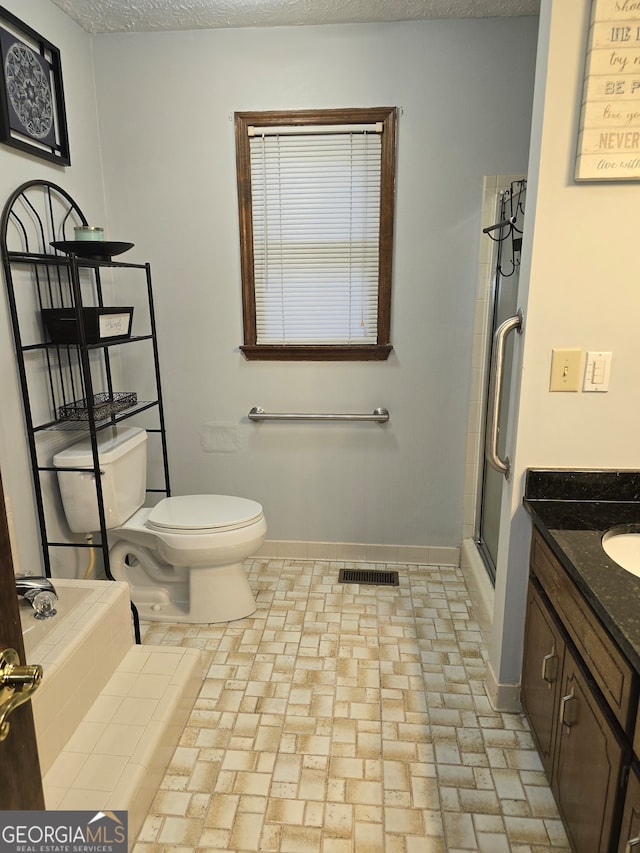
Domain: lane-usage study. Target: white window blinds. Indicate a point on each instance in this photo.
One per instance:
(316, 225)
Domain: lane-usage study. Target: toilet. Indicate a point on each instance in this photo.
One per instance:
(182, 558)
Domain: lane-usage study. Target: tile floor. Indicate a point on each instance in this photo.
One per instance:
(349, 719)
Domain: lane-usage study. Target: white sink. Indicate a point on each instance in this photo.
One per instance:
(622, 544)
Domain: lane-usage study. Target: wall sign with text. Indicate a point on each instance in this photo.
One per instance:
(609, 138)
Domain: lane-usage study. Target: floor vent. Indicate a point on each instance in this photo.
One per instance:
(369, 576)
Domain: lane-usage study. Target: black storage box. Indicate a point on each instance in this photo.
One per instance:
(100, 324)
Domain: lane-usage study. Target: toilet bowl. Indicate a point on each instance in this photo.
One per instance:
(178, 571)
(182, 558)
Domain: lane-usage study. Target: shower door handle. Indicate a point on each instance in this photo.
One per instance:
(492, 456)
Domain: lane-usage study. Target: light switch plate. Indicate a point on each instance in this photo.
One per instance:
(565, 369)
(597, 371)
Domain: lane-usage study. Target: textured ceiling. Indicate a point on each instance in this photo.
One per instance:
(108, 16)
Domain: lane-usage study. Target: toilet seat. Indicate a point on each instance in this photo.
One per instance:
(200, 514)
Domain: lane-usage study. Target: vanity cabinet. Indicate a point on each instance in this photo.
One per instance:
(630, 827)
(607, 666)
(578, 691)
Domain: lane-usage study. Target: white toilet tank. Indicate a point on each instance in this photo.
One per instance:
(122, 452)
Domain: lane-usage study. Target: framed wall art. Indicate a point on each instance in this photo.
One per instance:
(32, 111)
(609, 136)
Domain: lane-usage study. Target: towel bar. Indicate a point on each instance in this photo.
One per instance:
(379, 415)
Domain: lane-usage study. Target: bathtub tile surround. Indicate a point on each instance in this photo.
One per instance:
(79, 649)
(343, 717)
(109, 713)
(119, 752)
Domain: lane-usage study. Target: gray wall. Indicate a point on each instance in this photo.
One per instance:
(165, 106)
(83, 179)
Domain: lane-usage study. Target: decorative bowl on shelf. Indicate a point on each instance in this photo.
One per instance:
(93, 250)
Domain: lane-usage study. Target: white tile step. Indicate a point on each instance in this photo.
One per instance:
(118, 754)
(79, 649)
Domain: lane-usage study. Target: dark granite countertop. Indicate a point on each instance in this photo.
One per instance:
(572, 510)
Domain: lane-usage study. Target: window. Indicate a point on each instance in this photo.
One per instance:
(316, 199)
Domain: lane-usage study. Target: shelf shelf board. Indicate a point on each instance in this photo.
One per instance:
(49, 259)
(100, 345)
(84, 426)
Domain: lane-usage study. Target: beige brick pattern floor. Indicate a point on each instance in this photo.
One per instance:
(345, 718)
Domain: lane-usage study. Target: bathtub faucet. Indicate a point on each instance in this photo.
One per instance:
(39, 592)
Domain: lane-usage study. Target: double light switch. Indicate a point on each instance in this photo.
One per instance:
(565, 370)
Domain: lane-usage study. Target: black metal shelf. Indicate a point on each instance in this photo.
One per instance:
(70, 425)
(47, 259)
(44, 345)
(54, 376)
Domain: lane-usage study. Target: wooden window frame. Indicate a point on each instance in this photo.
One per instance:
(317, 352)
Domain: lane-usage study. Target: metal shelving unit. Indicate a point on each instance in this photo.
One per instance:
(85, 374)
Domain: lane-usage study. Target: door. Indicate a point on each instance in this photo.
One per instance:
(507, 235)
(589, 759)
(630, 831)
(20, 780)
(541, 673)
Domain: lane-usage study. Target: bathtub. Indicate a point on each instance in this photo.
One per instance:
(79, 649)
(109, 713)
(46, 631)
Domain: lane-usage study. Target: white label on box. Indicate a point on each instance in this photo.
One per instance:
(112, 325)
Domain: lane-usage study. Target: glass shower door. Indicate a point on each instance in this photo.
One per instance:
(508, 236)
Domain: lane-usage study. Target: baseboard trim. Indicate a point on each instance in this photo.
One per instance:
(503, 697)
(286, 549)
(479, 584)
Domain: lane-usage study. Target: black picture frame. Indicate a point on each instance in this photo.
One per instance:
(32, 109)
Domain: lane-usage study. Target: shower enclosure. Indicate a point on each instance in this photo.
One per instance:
(504, 319)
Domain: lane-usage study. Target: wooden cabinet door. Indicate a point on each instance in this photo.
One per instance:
(589, 759)
(607, 666)
(541, 673)
(630, 829)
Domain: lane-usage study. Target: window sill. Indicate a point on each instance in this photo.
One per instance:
(290, 352)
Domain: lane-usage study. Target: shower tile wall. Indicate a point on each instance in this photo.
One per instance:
(342, 718)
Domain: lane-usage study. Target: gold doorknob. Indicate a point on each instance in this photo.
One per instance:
(17, 683)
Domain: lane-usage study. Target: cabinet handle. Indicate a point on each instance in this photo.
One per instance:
(632, 843)
(568, 712)
(547, 660)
